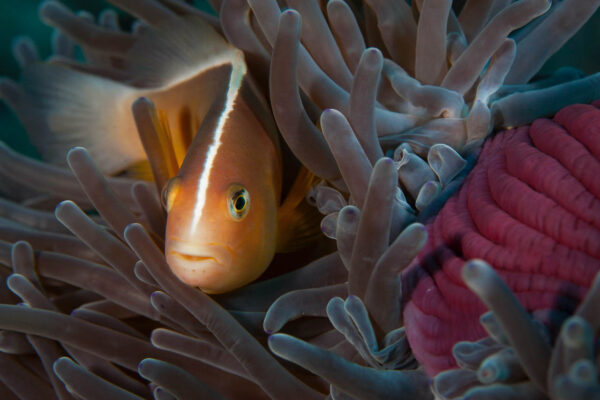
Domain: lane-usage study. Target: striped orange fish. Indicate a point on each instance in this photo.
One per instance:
(225, 216)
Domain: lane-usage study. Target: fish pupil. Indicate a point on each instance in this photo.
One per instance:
(240, 202)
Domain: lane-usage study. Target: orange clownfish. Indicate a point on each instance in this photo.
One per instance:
(225, 217)
(225, 220)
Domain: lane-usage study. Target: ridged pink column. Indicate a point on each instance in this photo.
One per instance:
(530, 208)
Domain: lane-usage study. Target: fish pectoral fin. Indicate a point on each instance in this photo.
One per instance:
(139, 170)
(298, 221)
(155, 134)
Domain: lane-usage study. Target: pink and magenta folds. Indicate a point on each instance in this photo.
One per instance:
(530, 208)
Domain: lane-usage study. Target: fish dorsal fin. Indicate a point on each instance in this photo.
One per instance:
(155, 134)
(298, 221)
(180, 62)
(184, 50)
(166, 140)
(177, 50)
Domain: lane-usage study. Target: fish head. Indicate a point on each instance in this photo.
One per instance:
(222, 206)
(230, 244)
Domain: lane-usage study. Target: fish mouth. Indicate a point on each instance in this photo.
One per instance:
(194, 269)
(189, 253)
(194, 257)
(202, 265)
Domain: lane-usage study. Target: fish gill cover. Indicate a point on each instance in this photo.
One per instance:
(482, 204)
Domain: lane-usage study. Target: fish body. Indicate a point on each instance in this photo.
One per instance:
(225, 216)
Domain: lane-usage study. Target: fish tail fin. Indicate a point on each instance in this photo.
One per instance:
(298, 221)
(67, 108)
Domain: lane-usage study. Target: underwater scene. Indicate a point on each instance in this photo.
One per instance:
(300, 199)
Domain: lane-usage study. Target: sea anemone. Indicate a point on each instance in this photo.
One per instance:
(90, 308)
(511, 212)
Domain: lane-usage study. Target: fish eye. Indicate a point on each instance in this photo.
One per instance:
(238, 201)
(168, 192)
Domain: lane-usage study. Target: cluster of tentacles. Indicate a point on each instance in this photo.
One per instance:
(91, 310)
